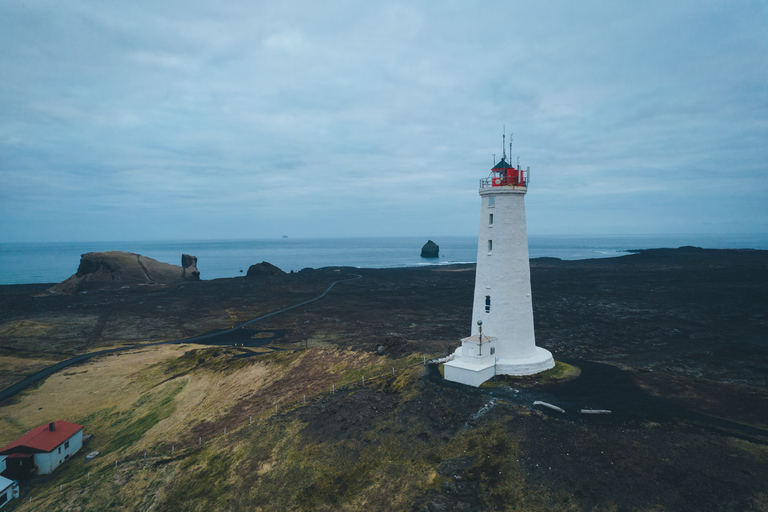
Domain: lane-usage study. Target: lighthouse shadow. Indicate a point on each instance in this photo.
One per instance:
(599, 386)
(602, 386)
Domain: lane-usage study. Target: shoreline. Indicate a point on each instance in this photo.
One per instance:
(538, 259)
(39, 263)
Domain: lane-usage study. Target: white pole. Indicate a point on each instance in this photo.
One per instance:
(393, 371)
(145, 455)
(333, 388)
(363, 380)
(250, 420)
(305, 398)
(173, 447)
(225, 430)
(199, 440)
(275, 408)
(425, 360)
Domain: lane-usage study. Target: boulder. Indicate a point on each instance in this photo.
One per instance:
(430, 250)
(189, 268)
(264, 269)
(117, 268)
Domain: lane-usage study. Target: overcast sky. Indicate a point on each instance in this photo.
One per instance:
(138, 120)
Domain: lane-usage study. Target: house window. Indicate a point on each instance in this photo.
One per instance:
(490, 245)
(493, 350)
(491, 201)
(66, 445)
(3, 497)
(487, 303)
(490, 219)
(59, 449)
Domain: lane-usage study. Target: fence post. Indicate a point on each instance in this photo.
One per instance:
(393, 371)
(363, 380)
(305, 398)
(225, 430)
(250, 420)
(333, 389)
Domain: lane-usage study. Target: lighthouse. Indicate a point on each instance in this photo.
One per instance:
(501, 340)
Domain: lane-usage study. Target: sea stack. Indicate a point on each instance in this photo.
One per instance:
(502, 340)
(430, 250)
(189, 267)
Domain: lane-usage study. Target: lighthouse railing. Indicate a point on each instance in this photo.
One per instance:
(517, 180)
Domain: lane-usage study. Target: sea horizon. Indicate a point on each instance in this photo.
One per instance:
(52, 262)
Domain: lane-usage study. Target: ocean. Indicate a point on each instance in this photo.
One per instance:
(22, 263)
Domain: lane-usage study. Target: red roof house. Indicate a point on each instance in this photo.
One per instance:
(48, 445)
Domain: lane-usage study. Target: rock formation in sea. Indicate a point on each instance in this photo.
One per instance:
(189, 267)
(264, 269)
(117, 268)
(430, 250)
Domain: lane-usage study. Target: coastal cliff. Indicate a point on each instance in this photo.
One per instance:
(105, 269)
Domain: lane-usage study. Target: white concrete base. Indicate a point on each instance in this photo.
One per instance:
(540, 361)
(465, 372)
(474, 372)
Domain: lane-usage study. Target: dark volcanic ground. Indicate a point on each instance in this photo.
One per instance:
(693, 312)
(675, 342)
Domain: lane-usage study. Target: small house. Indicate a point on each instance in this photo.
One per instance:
(42, 449)
(8, 488)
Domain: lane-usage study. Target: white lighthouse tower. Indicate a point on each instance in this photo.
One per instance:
(502, 340)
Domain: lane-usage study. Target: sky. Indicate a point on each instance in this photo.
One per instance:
(191, 120)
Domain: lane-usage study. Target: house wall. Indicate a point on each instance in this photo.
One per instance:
(47, 462)
(6, 491)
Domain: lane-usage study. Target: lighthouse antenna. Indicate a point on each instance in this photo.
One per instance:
(503, 142)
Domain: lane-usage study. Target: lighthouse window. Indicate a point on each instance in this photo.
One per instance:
(490, 219)
(487, 303)
(491, 201)
(493, 350)
(490, 245)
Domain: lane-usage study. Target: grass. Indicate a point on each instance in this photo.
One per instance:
(562, 372)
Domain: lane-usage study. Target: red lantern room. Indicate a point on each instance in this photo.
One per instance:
(505, 174)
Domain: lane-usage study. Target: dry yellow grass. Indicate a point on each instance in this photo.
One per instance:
(81, 390)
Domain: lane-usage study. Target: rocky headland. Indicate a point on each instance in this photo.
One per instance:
(117, 268)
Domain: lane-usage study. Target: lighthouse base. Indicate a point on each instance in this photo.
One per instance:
(473, 372)
(467, 372)
(540, 361)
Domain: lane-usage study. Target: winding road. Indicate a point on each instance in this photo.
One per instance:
(46, 372)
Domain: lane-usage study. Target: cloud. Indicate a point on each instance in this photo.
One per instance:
(378, 118)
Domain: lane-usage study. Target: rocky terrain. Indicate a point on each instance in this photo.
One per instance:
(673, 342)
(113, 269)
